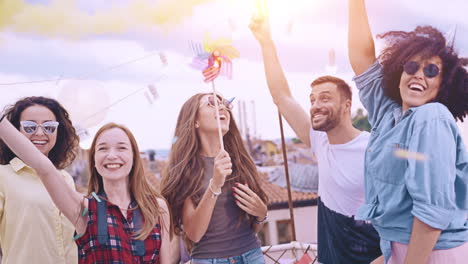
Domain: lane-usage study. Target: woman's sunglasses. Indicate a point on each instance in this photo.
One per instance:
(228, 104)
(430, 70)
(30, 127)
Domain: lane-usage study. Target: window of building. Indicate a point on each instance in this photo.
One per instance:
(284, 231)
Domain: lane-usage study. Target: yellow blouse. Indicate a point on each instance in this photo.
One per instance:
(32, 229)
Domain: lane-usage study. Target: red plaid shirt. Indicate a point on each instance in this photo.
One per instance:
(120, 248)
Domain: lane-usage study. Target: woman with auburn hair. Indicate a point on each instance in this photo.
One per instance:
(32, 229)
(215, 195)
(416, 164)
(123, 220)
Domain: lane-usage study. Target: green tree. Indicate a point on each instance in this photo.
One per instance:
(360, 121)
(296, 140)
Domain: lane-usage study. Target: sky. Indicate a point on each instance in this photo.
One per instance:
(98, 59)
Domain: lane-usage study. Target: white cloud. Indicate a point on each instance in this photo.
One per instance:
(153, 125)
(453, 11)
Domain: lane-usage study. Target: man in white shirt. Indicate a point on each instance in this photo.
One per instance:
(340, 150)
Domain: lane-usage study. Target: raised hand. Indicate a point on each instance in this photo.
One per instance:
(260, 27)
(222, 168)
(361, 50)
(249, 201)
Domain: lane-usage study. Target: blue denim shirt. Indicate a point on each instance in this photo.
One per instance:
(431, 186)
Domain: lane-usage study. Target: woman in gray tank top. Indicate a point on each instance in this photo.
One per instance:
(215, 195)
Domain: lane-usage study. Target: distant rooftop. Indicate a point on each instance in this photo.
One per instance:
(303, 177)
(278, 196)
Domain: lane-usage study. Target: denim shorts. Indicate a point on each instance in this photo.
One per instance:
(254, 256)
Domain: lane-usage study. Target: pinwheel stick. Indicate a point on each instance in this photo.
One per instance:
(215, 99)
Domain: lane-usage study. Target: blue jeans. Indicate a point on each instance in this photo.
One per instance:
(254, 256)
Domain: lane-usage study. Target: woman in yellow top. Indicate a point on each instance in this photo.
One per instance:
(32, 229)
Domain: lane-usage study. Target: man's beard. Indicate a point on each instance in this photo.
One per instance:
(329, 123)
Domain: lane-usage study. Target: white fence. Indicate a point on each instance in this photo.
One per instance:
(289, 253)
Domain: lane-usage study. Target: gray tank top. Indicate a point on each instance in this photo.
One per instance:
(224, 238)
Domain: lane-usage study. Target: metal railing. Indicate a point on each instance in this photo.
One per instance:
(289, 253)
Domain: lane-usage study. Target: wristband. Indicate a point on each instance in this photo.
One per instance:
(214, 194)
(262, 221)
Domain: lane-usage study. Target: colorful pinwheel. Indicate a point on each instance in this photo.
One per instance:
(214, 57)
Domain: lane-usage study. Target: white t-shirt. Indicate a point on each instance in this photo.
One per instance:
(341, 171)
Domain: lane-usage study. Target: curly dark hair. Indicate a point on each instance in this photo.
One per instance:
(427, 42)
(64, 151)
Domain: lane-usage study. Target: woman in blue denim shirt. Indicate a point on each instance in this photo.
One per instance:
(416, 162)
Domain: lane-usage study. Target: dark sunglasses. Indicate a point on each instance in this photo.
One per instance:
(430, 70)
(228, 104)
(30, 127)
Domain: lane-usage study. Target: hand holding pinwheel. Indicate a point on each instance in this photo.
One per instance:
(214, 58)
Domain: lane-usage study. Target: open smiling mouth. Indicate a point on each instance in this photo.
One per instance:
(112, 166)
(39, 142)
(416, 87)
(318, 116)
(222, 117)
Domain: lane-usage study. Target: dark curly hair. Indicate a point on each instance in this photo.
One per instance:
(427, 42)
(64, 151)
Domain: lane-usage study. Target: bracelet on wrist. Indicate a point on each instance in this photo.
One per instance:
(214, 194)
(261, 221)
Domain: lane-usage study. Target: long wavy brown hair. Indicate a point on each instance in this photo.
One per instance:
(183, 176)
(64, 150)
(145, 195)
